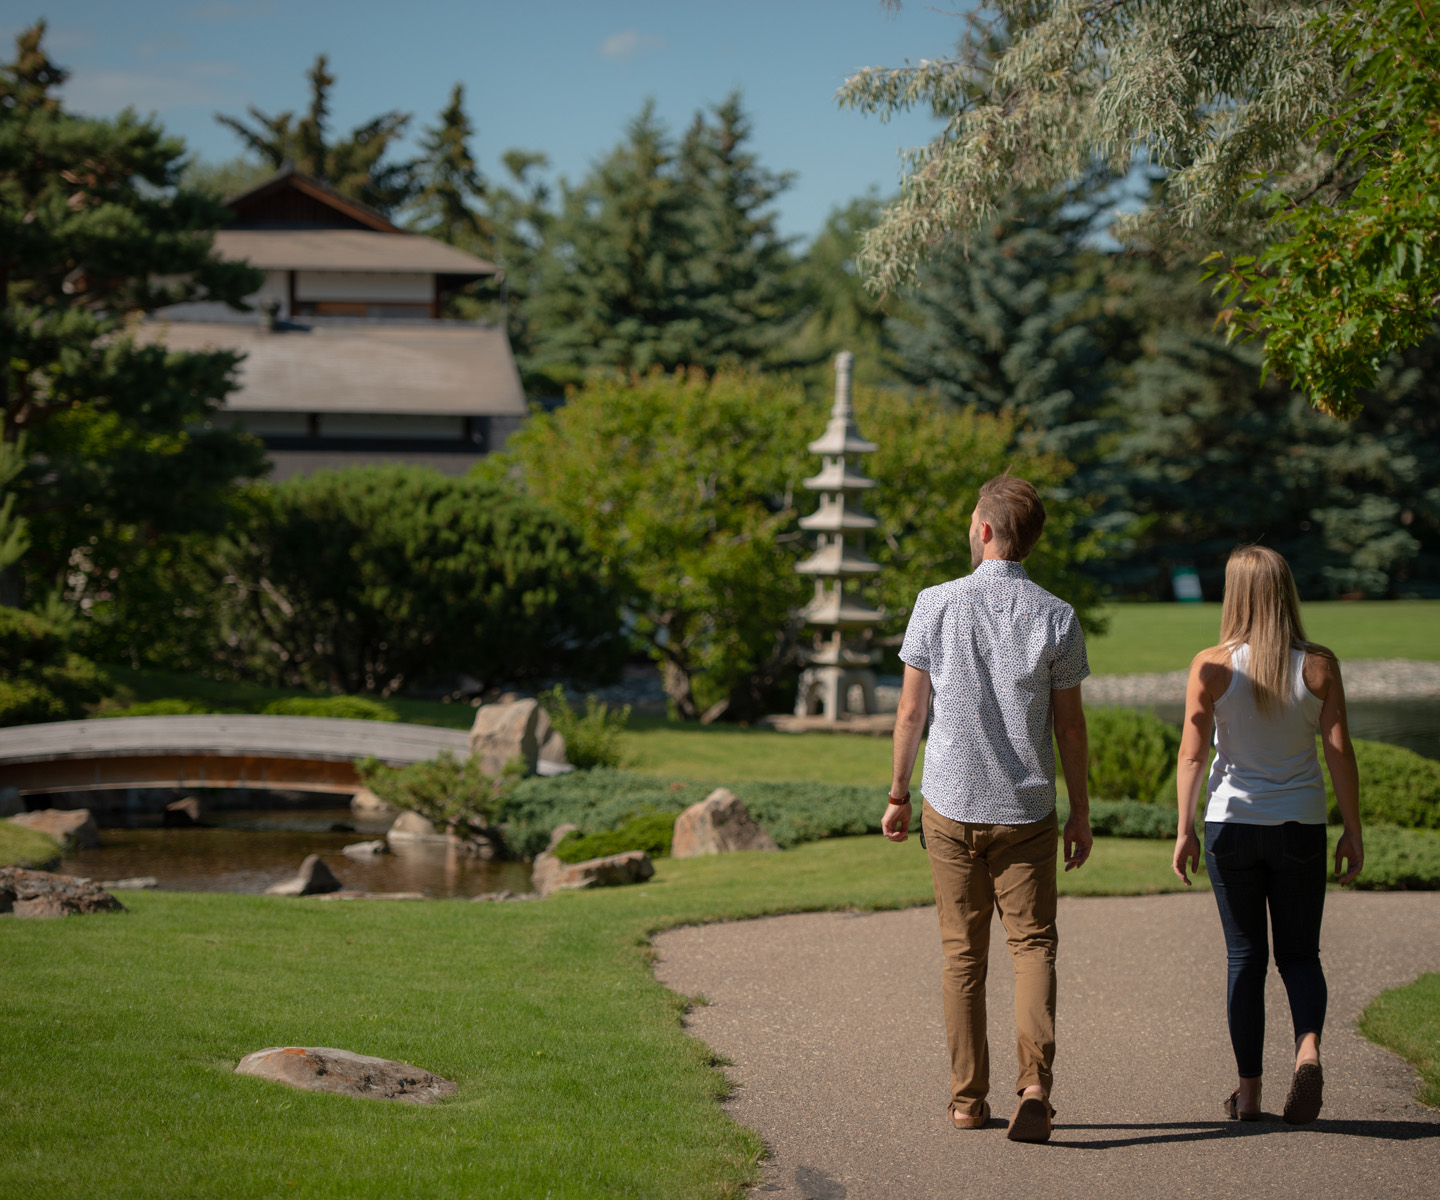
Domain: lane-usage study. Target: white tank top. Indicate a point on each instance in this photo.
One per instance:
(1266, 771)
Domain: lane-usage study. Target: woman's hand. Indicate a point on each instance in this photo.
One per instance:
(1351, 850)
(1187, 850)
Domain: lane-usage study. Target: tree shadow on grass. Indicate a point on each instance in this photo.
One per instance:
(1151, 1134)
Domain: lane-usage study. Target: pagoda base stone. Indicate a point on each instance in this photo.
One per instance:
(875, 725)
(824, 690)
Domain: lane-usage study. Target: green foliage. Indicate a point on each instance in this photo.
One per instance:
(97, 230)
(1134, 819)
(1397, 860)
(351, 708)
(21, 847)
(449, 184)
(40, 679)
(1407, 1021)
(448, 792)
(651, 832)
(1131, 753)
(1397, 787)
(592, 738)
(171, 707)
(1355, 271)
(355, 165)
(369, 579)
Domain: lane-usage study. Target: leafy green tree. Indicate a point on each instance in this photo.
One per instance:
(41, 679)
(355, 165)
(372, 579)
(94, 230)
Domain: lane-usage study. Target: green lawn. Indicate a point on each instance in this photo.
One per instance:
(1165, 637)
(25, 847)
(1407, 1021)
(576, 1079)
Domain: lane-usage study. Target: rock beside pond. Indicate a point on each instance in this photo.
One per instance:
(366, 849)
(552, 875)
(322, 1069)
(508, 729)
(412, 827)
(183, 814)
(367, 803)
(500, 897)
(718, 824)
(136, 883)
(314, 877)
(68, 826)
(38, 894)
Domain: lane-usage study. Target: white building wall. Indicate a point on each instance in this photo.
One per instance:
(362, 286)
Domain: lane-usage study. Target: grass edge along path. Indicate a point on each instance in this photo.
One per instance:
(1406, 1021)
(576, 1077)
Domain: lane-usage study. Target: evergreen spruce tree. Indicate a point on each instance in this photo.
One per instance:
(119, 433)
(743, 278)
(616, 285)
(1002, 326)
(450, 192)
(355, 165)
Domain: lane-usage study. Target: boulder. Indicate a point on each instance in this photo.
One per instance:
(136, 883)
(367, 803)
(42, 894)
(366, 849)
(506, 895)
(508, 729)
(11, 802)
(183, 814)
(475, 846)
(717, 824)
(71, 827)
(321, 1069)
(314, 877)
(552, 875)
(411, 827)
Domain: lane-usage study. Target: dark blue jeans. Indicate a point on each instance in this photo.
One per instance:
(1282, 868)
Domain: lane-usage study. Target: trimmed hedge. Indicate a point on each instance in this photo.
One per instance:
(1131, 753)
(1397, 860)
(161, 708)
(651, 833)
(353, 708)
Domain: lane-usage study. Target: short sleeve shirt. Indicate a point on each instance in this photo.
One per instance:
(995, 645)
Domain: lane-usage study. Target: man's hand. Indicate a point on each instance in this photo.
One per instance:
(1187, 851)
(1078, 841)
(1351, 851)
(895, 824)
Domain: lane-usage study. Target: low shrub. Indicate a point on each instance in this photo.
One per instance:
(353, 708)
(1132, 819)
(1131, 753)
(446, 791)
(1403, 860)
(40, 679)
(652, 833)
(592, 738)
(162, 708)
(1397, 787)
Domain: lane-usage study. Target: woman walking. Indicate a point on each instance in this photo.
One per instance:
(1264, 690)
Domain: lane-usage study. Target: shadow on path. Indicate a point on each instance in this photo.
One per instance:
(1204, 1131)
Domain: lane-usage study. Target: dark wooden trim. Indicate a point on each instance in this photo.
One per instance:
(103, 773)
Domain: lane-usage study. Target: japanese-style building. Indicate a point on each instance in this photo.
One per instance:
(347, 358)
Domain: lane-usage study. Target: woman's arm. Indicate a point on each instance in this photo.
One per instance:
(1340, 758)
(1195, 735)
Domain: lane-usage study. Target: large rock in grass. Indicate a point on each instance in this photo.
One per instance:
(71, 827)
(322, 1069)
(38, 894)
(717, 824)
(509, 729)
(553, 875)
(313, 879)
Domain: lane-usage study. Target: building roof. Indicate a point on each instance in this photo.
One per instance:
(347, 250)
(289, 196)
(423, 368)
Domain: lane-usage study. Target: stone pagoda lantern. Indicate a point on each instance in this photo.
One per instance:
(840, 657)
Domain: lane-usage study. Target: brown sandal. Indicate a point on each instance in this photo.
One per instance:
(1232, 1108)
(971, 1120)
(1307, 1089)
(1032, 1121)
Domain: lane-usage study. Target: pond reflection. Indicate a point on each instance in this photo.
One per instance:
(247, 851)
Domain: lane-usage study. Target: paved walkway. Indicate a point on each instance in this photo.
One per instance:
(834, 1027)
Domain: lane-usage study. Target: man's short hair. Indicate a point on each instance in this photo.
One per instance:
(1012, 508)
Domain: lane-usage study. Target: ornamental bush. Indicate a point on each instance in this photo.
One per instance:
(448, 792)
(1131, 753)
(1397, 787)
(652, 833)
(40, 679)
(354, 708)
(592, 738)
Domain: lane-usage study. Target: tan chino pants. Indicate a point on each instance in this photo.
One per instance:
(976, 869)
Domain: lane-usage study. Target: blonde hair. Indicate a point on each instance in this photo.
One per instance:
(1262, 608)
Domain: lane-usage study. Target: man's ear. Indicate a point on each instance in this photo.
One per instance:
(986, 532)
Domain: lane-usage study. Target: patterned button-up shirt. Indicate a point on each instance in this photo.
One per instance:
(995, 646)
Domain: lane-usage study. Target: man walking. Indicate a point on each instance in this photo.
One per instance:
(1003, 660)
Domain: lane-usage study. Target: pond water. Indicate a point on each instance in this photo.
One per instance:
(247, 851)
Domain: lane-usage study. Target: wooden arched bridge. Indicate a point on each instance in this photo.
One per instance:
(313, 754)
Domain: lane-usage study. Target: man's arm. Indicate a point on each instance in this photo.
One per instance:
(1074, 743)
(909, 729)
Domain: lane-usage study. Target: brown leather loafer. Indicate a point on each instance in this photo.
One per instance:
(970, 1120)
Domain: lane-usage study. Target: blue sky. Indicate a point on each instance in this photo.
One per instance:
(562, 77)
